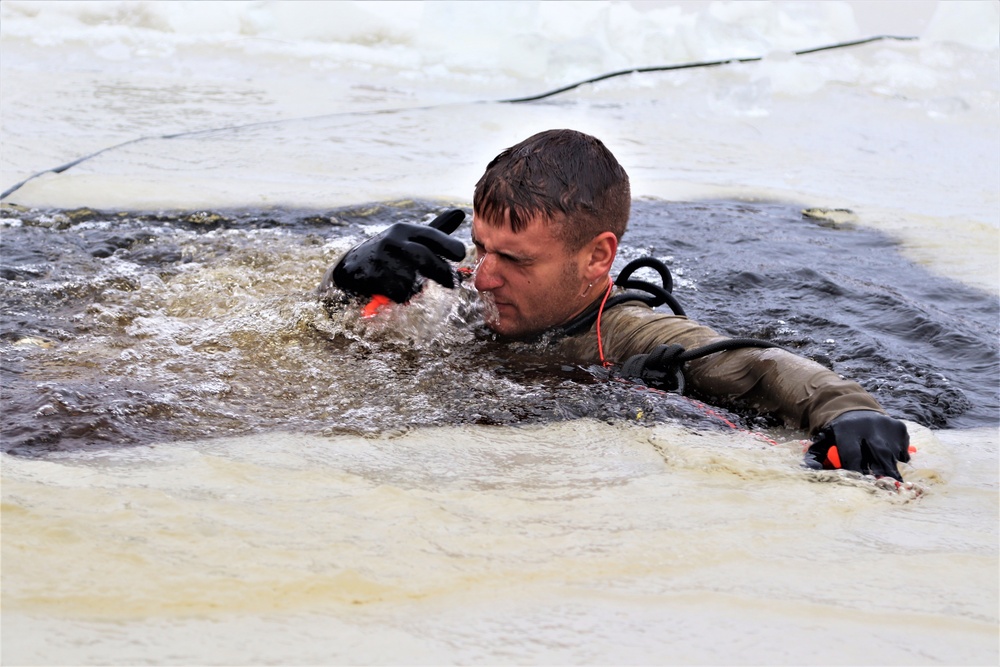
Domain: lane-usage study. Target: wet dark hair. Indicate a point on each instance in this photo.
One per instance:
(569, 178)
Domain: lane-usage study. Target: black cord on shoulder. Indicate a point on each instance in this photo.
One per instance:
(663, 367)
(651, 294)
(517, 100)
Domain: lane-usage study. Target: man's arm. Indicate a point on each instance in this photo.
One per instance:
(838, 412)
(803, 393)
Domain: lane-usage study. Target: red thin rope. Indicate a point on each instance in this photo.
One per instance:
(600, 343)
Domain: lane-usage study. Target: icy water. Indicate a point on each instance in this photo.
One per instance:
(204, 464)
(129, 328)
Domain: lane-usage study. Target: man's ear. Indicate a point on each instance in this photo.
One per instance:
(600, 255)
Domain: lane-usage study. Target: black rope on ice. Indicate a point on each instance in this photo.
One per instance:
(708, 63)
(518, 100)
(60, 169)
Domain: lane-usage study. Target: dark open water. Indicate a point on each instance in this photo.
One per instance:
(121, 327)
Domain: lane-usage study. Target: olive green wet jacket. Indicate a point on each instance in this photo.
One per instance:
(800, 391)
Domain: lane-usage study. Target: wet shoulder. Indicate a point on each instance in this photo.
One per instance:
(634, 328)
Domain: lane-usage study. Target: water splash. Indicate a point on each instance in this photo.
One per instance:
(136, 328)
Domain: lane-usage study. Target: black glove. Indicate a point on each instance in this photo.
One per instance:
(861, 440)
(388, 264)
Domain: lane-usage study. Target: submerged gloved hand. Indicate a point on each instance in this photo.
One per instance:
(861, 440)
(389, 264)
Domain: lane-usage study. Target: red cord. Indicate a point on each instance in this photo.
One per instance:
(600, 343)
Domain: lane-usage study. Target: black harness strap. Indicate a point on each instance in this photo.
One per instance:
(663, 366)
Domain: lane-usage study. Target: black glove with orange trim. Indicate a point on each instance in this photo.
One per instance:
(861, 440)
(394, 263)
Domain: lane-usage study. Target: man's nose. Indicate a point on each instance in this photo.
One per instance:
(487, 277)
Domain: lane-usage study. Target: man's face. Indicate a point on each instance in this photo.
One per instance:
(530, 277)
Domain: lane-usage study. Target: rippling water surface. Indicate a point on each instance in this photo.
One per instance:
(131, 328)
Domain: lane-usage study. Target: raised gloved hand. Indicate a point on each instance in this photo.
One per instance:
(861, 440)
(389, 264)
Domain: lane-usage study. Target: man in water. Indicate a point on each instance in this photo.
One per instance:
(548, 215)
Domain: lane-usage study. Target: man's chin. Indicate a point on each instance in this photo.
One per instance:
(508, 330)
(503, 321)
(502, 330)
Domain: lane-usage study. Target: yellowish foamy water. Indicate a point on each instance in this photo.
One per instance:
(571, 542)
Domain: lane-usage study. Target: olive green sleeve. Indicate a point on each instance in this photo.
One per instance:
(800, 391)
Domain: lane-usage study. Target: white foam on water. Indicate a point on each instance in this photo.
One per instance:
(452, 540)
(904, 132)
